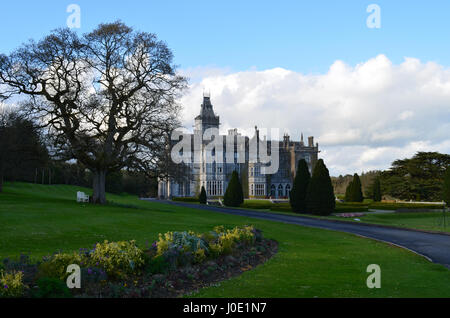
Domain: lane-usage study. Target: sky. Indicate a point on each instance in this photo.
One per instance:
(368, 95)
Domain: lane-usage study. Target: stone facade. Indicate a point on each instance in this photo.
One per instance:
(214, 176)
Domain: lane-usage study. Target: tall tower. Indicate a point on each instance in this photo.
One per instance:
(207, 118)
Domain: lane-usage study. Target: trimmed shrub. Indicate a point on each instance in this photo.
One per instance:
(185, 199)
(404, 206)
(202, 198)
(354, 191)
(446, 186)
(340, 208)
(297, 197)
(234, 195)
(349, 192)
(376, 195)
(257, 204)
(357, 195)
(320, 196)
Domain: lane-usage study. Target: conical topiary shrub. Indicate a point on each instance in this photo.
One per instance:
(357, 195)
(297, 196)
(202, 197)
(353, 193)
(446, 186)
(349, 192)
(376, 196)
(320, 198)
(234, 196)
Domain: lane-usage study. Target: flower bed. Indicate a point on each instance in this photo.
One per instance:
(175, 264)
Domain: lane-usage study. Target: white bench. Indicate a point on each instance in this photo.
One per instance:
(82, 197)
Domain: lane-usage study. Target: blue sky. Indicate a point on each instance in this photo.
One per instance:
(304, 36)
(369, 96)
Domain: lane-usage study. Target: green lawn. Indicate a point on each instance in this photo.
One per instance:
(428, 221)
(39, 220)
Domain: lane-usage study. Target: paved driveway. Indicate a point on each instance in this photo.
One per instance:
(436, 247)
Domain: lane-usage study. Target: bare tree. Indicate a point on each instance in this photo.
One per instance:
(108, 98)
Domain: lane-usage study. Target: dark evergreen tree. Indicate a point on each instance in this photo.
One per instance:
(446, 186)
(320, 199)
(376, 196)
(349, 192)
(357, 195)
(297, 196)
(202, 197)
(234, 195)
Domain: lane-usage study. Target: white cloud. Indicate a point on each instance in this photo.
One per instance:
(363, 116)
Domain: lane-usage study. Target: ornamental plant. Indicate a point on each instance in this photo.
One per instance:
(353, 192)
(320, 198)
(446, 186)
(117, 259)
(11, 284)
(297, 197)
(202, 197)
(180, 248)
(234, 196)
(56, 265)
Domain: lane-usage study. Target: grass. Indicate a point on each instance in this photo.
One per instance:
(428, 221)
(39, 220)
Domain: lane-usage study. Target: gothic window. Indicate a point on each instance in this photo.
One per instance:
(280, 190)
(272, 190)
(288, 190)
(180, 189)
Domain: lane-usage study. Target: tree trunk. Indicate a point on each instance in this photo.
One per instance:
(98, 185)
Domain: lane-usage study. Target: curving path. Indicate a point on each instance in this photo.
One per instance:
(435, 247)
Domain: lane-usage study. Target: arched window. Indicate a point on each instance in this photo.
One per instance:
(272, 190)
(280, 190)
(288, 190)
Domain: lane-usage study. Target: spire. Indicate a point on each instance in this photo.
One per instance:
(207, 107)
(206, 118)
(302, 138)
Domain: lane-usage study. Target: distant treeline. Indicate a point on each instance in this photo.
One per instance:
(340, 183)
(419, 178)
(24, 156)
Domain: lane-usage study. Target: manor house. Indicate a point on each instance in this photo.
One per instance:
(214, 176)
